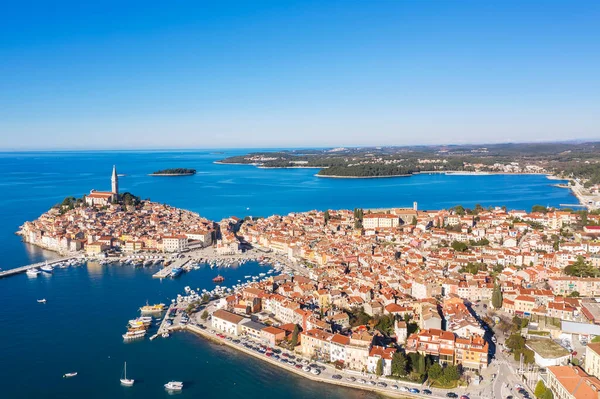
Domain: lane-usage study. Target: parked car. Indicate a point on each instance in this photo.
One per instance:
(336, 376)
(426, 392)
(382, 384)
(451, 395)
(404, 389)
(464, 397)
(413, 390)
(351, 379)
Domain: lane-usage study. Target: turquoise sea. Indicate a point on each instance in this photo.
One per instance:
(80, 327)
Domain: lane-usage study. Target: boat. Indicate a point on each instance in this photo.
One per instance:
(174, 386)
(42, 300)
(32, 272)
(156, 308)
(218, 279)
(46, 268)
(126, 381)
(165, 335)
(176, 271)
(69, 375)
(134, 334)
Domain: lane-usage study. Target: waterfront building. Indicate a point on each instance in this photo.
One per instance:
(385, 354)
(176, 243)
(227, 322)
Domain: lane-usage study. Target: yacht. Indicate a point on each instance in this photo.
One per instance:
(126, 381)
(32, 272)
(46, 268)
(174, 386)
(42, 300)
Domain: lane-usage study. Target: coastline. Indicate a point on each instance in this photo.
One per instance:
(360, 177)
(382, 391)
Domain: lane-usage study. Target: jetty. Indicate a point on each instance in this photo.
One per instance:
(23, 269)
(165, 271)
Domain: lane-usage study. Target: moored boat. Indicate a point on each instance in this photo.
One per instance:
(32, 272)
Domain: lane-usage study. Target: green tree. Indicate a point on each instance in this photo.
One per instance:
(295, 336)
(459, 246)
(548, 394)
(459, 209)
(204, 315)
(399, 364)
(379, 369)
(540, 389)
(327, 216)
(451, 373)
(574, 294)
(414, 221)
(435, 371)
(539, 208)
(497, 297)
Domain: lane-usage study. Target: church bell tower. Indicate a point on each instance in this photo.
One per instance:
(115, 182)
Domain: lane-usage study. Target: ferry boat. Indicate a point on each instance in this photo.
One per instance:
(32, 272)
(129, 335)
(126, 381)
(174, 386)
(218, 279)
(157, 308)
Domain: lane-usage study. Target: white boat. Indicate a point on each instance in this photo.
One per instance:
(69, 375)
(46, 268)
(126, 381)
(42, 300)
(32, 272)
(165, 335)
(174, 386)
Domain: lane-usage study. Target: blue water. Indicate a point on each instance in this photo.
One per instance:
(80, 327)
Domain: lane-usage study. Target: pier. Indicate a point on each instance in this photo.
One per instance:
(165, 271)
(23, 269)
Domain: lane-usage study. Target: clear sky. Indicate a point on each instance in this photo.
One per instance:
(169, 74)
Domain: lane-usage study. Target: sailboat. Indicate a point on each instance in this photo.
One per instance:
(126, 381)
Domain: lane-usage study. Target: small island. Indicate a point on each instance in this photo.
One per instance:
(174, 172)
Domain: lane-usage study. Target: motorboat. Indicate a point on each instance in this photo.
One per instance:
(32, 272)
(69, 375)
(174, 386)
(126, 381)
(42, 300)
(46, 268)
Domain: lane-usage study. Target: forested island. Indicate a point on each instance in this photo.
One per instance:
(174, 172)
(564, 160)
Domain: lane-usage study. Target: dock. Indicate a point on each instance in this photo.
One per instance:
(23, 269)
(165, 271)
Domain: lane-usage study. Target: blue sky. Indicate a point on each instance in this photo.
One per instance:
(296, 73)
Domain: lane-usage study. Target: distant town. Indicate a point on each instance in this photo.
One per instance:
(442, 296)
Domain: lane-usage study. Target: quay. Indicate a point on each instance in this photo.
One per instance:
(165, 271)
(22, 269)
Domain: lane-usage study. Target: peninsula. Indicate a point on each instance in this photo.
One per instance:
(174, 172)
(564, 160)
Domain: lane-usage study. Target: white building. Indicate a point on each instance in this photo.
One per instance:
(227, 322)
(175, 243)
(380, 220)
